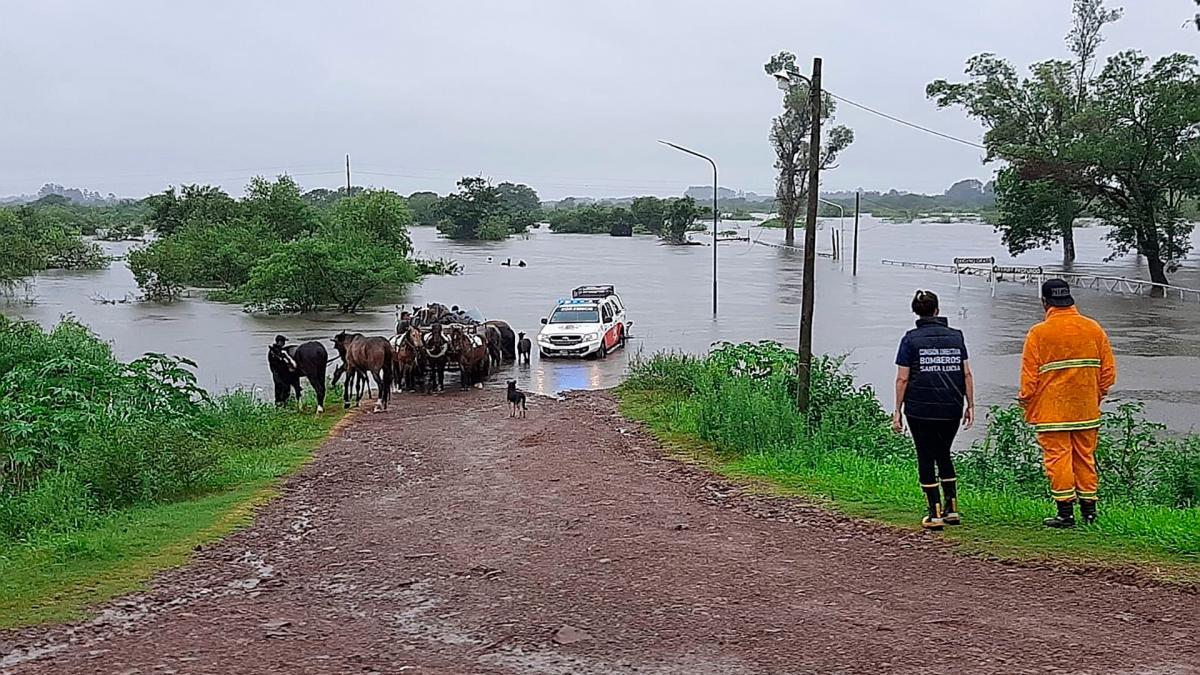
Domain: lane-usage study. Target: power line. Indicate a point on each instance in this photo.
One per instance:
(906, 123)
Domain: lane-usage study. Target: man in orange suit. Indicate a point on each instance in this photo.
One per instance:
(1067, 368)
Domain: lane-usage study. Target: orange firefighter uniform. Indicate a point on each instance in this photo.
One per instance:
(1067, 368)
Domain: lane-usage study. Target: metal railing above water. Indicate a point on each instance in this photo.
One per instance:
(1036, 275)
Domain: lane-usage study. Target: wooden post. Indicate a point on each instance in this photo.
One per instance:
(857, 199)
(804, 362)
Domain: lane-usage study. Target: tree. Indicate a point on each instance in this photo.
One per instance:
(423, 206)
(279, 204)
(680, 213)
(520, 204)
(1140, 156)
(790, 133)
(1035, 213)
(462, 214)
(518, 197)
(620, 223)
(383, 213)
(1123, 144)
(648, 213)
(1034, 117)
(338, 266)
(170, 211)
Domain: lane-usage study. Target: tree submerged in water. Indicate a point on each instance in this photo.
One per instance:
(790, 137)
(1124, 145)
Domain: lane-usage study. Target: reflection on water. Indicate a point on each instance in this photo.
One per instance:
(668, 291)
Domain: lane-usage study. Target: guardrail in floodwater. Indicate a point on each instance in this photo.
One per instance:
(1022, 274)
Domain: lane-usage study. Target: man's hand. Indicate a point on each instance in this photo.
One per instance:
(969, 417)
(897, 422)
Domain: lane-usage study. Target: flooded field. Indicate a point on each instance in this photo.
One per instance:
(668, 292)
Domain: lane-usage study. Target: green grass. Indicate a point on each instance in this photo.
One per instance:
(1156, 541)
(56, 576)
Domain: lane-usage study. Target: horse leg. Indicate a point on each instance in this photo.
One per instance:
(299, 397)
(318, 385)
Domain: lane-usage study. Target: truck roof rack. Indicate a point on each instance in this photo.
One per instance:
(600, 291)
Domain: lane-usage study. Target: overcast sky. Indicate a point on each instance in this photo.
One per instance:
(567, 96)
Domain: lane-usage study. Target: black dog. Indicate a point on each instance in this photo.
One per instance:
(289, 363)
(524, 347)
(516, 400)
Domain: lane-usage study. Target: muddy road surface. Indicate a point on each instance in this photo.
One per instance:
(444, 537)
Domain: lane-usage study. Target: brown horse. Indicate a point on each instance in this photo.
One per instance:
(407, 345)
(367, 355)
(474, 359)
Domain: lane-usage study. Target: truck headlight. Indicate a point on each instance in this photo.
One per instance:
(592, 337)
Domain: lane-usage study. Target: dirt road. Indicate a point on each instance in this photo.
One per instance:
(443, 537)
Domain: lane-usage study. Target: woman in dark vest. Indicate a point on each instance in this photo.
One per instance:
(935, 392)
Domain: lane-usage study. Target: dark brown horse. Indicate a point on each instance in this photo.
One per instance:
(508, 339)
(366, 355)
(474, 359)
(407, 345)
(493, 340)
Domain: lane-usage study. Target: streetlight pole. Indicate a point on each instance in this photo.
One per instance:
(716, 213)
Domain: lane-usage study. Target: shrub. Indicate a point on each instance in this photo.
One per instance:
(741, 398)
(82, 433)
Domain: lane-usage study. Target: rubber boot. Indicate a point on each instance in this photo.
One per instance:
(933, 500)
(950, 502)
(1065, 517)
(1087, 511)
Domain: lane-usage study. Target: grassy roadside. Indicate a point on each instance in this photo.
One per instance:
(737, 428)
(56, 576)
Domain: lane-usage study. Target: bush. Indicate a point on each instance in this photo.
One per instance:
(741, 398)
(82, 433)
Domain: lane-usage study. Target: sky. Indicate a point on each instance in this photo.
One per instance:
(129, 96)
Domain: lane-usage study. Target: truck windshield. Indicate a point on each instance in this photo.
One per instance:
(575, 315)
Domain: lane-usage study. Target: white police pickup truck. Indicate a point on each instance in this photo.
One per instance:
(591, 322)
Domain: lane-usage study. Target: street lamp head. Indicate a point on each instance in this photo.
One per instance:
(785, 79)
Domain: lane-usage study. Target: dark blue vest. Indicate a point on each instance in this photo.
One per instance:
(937, 383)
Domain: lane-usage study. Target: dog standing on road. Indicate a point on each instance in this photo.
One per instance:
(516, 400)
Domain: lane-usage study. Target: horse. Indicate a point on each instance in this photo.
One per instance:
(524, 347)
(474, 358)
(492, 340)
(407, 346)
(289, 362)
(363, 355)
(434, 356)
(508, 339)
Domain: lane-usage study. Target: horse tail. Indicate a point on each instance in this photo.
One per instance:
(389, 360)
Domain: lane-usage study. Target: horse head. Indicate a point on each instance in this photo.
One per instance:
(279, 354)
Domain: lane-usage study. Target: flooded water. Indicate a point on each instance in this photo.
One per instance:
(668, 293)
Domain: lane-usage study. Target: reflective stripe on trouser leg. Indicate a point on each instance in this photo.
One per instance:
(1083, 462)
(1057, 452)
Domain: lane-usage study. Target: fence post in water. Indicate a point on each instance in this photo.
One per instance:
(854, 265)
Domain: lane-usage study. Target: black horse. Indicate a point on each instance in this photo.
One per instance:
(289, 362)
(433, 357)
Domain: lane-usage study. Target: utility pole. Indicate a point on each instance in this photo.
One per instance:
(804, 364)
(857, 199)
(347, 174)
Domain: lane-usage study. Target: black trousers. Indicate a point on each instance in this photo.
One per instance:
(933, 439)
